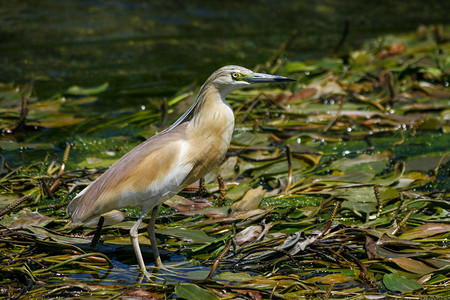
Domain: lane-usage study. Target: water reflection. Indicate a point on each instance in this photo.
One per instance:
(121, 273)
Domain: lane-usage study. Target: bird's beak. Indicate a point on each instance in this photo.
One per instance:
(261, 78)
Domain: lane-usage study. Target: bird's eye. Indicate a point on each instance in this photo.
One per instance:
(235, 75)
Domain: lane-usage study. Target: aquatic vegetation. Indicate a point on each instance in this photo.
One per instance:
(335, 186)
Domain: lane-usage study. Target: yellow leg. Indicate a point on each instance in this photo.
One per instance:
(152, 237)
(151, 234)
(135, 242)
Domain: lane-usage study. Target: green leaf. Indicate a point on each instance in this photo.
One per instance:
(191, 291)
(12, 146)
(363, 199)
(390, 178)
(234, 277)
(78, 90)
(398, 283)
(196, 236)
(377, 162)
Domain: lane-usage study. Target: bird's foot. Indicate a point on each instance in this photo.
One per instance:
(161, 271)
(170, 270)
(178, 270)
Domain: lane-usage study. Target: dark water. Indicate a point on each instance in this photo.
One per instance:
(152, 48)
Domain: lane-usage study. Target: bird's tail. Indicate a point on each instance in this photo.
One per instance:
(77, 210)
(80, 215)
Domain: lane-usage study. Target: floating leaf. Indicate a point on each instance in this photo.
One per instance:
(425, 230)
(376, 162)
(86, 91)
(30, 218)
(249, 234)
(56, 119)
(185, 205)
(398, 283)
(7, 199)
(251, 199)
(193, 292)
(412, 265)
(390, 178)
(331, 278)
(363, 199)
(234, 277)
(196, 236)
(11, 145)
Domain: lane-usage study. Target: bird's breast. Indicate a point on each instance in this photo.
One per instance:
(209, 138)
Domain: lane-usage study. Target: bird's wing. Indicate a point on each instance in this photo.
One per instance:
(143, 178)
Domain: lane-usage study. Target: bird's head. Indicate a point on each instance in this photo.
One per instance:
(229, 78)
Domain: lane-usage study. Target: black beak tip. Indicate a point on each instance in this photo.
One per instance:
(284, 79)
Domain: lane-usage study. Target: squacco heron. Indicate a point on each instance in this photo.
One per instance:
(162, 166)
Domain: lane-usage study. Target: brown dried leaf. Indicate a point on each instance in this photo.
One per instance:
(300, 95)
(371, 248)
(249, 234)
(30, 219)
(251, 199)
(186, 205)
(412, 265)
(329, 279)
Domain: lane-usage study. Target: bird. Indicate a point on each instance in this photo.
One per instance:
(167, 162)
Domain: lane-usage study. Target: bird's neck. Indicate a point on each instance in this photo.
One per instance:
(213, 114)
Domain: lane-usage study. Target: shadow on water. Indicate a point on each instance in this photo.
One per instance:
(128, 274)
(125, 269)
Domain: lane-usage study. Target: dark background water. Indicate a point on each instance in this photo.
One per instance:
(152, 48)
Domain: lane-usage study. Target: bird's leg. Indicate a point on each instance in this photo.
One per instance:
(152, 237)
(135, 242)
(202, 191)
(223, 191)
(98, 232)
(151, 234)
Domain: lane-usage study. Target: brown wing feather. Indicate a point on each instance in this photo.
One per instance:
(134, 172)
